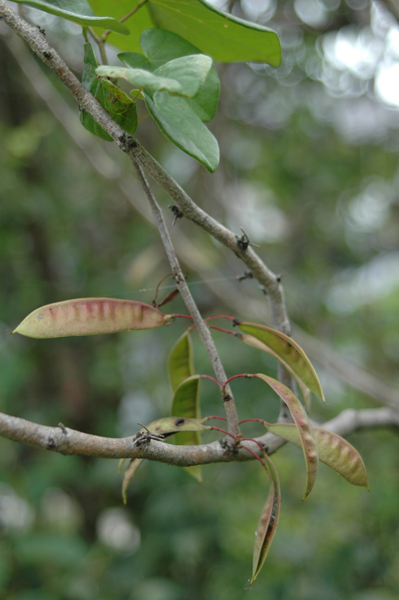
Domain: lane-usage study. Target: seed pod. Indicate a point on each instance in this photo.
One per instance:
(90, 316)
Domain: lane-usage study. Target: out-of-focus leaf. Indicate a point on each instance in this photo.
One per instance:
(255, 343)
(162, 46)
(303, 425)
(182, 126)
(186, 404)
(183, 76)
(78, 11)
(268, 521)
(128, 476)
(334, 451)
(285, 347)
(180, 361)
(224, 37)
(90, 316)
(120, 107)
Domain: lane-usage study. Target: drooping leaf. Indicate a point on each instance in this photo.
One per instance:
(303, 425)
(182, 126)
(170, 425)
(78, 11)
(255, 343)
(90, 316)
(285, 348)
(186, 404)
(268, 521)
(180, 361)
(121, 108)
(223, 37)
(182, 76)
(129, 474)
(160, 47)
(334, 451)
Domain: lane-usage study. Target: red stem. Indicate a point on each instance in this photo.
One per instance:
(182, 316)
(257, 420)
(221, 418)
(224, 330)
(214, 381)
(219, 317)
(223, 431)
(252, 452)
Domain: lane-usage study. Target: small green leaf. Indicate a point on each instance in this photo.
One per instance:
(303, 425)
(121, 108)
(170, 425)
(268, 521)
(286, 349)
(78, 11)
(129, 474)
(183, 127)
(186, 404)
(180, 77)
(334, 451)
(180, 362)
(90, 316)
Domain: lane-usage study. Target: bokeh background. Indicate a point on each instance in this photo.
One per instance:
(309, 169)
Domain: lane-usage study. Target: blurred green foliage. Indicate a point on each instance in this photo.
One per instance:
(324, 207)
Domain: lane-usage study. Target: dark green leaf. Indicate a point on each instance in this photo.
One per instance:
(184, 128)
(78, 11)
(120, 107)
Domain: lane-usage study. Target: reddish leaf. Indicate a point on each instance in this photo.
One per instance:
(334, 451)
(303, 425)
(89, 316)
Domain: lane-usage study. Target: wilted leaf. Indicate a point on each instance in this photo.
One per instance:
(120, 107)
(90, 316)
(255, 343)
(334, 451)
(170, 425)
(129, 474)
(78, 11)
(303, 425)
(268, 521)
(286, 349)
(186, 404)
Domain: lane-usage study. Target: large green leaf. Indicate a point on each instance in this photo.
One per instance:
(223, 37)
(185, 403)
(178, 121)
(78, 11)
(182, 76)
(116, 103)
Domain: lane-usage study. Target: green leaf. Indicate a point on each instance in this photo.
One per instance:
(223, 37)
(285, 348)
(170, 425)
(181, 77)
(255, 343)
(334, 451)
(268, 521)
(129, 474)
(120, 107)
(303, 425)
(183, 127)
(90, 316)
(78, 11)
(180, 362)
(185, 403)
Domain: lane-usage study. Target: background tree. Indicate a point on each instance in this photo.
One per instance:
(38, 241)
